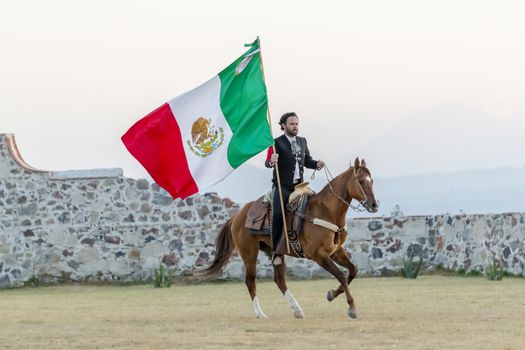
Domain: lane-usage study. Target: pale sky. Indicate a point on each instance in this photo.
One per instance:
(412, 86)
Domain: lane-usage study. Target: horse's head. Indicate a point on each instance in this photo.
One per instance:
(360, 186)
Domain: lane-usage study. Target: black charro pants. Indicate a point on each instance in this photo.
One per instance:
(278, 220)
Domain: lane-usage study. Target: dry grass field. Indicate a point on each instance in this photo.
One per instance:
(431, 312)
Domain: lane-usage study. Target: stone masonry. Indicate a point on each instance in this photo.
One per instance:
(98, 226)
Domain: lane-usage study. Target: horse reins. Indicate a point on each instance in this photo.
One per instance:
(327, 224)
(330, 178)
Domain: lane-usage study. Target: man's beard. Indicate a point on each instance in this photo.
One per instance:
(292, 132)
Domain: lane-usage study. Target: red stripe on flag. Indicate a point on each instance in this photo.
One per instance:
(156, 142)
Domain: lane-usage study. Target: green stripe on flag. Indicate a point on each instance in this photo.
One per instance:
(244, 103)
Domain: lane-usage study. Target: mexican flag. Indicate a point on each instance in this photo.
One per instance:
(198, 138)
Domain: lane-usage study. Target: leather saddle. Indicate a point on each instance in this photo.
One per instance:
(258, 220)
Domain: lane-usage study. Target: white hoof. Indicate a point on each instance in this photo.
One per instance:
(257, 309)
(330, 295)
(294, 305)
(298, 313)
(352, 314)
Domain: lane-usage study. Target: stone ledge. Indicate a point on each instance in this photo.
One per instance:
(85, 174)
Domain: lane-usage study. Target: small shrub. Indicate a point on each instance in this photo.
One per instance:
(494, 270)
(33, 281)
(99, 275)
(472, 273)
(410, 267)
(65, 277)
(162, 279)
(396, 212)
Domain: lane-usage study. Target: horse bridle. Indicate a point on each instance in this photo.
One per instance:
(363, 204)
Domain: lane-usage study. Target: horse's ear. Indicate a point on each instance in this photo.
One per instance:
(356, 165)
(363, 163)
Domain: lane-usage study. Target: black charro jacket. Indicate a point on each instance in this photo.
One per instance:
(286, 162)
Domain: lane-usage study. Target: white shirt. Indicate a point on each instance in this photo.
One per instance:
(297, 173)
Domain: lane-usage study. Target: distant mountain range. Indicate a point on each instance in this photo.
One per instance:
(449, 137)
(474, 191)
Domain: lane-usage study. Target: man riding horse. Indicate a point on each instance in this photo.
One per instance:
(291, 156)
(323, 232)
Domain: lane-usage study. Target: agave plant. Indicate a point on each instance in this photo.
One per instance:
(494, 270)
(410, 267)
(162, 279)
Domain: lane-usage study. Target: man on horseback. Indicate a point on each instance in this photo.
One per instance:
(324, 231)
(291, 156)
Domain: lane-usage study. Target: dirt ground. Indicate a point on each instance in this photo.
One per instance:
(431, 312)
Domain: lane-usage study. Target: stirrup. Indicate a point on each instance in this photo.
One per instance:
(277, 259)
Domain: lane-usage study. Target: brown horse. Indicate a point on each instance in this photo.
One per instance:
(320, 244)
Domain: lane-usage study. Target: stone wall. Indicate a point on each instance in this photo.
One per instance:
(455, 242)
(96, 225)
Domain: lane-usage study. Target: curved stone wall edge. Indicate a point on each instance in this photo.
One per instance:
(17, 156)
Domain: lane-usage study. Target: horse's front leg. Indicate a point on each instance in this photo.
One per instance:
(279, 273)
(341, 257)
(328, 264)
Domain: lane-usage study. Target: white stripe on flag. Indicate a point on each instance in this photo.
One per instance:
(204, 101)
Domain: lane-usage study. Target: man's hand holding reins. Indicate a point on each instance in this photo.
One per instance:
(320, 164)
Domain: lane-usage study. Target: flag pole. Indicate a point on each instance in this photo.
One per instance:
(275, 166)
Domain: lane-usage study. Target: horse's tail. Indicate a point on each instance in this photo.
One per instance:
(224, 247)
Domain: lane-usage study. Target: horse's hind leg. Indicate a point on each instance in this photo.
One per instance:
(341, 257)
(249, 257)
(279, 273)
(328, 264)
